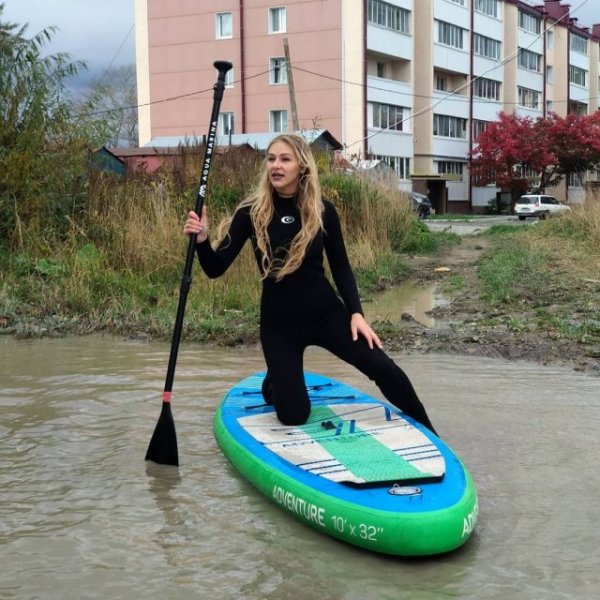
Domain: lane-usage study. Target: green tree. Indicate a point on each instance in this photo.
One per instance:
(114, 97)
(43, 147)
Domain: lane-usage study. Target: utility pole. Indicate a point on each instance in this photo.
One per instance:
(290, 80)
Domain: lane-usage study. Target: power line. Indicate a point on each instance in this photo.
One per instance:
(455, 94)
(469, 83)
(460, 98)
(110, 64)
(169, 99)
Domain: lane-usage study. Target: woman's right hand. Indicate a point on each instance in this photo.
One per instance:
(197, 225)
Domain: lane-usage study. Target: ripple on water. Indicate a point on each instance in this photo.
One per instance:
(83, 516)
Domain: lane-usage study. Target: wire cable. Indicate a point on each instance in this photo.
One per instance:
(455, 94)
(469, 83)
(169, 99)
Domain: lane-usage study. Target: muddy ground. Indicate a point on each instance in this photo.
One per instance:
(463, 325)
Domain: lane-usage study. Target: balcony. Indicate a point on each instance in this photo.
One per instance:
(387, 41)
(389, 91)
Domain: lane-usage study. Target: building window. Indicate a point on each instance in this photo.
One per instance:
(579, 44)
(450, 167)
(525, 172)
(575, 179)
(226, 123)
(450, 35)
(532, 61)
(578, 108)
(388, 16)
(529, 98)
(400, 165)
(486, 88)
(485, 46)
(550, 39)
(278, 121)
(224, 23)
(529, 22)
(577, 76)
(461, 2)
(549, 106)
(381, 69)
(278, 71)
(479, 127)
(488, 7)
(447, 126)
(388, 116)
(441, 83)
(277, 20)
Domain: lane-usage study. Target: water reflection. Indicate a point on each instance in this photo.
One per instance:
(83, 516)
(392, 303)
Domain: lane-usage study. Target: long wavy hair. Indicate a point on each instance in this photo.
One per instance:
(310, 205)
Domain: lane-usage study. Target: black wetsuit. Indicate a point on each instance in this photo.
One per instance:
(303, 310)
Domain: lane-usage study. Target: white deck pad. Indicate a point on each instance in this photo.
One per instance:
(357, 443)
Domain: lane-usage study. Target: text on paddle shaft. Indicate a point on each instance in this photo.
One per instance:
(316, 514)
(207, 159)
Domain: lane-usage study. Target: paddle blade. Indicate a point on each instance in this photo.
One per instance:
(163, 445)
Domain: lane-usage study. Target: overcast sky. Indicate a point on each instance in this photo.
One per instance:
(98, 32)
(101, 33)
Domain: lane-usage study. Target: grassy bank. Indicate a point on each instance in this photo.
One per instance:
(547, 276)
(114, 262)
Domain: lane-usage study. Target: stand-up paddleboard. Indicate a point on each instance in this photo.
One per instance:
(358, 470)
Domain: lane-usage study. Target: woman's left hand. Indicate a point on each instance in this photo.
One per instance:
(358, 325)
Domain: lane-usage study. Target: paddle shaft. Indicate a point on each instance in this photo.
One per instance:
(162, 448)
(186, 279)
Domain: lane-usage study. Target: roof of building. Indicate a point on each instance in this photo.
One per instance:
(255, 140)
(102, 159)
(160, 150)
(373, 164)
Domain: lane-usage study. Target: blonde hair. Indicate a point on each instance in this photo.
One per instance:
(310, 205)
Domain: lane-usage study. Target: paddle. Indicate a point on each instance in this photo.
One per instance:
(163, 445)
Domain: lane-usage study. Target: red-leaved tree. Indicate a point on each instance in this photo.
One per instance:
(508, 149)
(520, 152)
(575, 144)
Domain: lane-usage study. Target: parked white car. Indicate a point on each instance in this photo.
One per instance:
(539, 205)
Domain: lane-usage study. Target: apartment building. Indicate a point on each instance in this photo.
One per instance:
(409, 82)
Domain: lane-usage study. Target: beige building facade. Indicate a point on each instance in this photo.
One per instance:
(409, 82)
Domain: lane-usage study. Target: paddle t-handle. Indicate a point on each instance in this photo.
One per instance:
(222, 67)
(163, 444)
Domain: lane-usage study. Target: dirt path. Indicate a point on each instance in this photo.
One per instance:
(467, 325)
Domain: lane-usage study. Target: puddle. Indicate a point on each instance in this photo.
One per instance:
(392, 303)
(82, 517)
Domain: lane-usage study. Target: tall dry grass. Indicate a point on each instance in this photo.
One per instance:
(137, 226)
(119, 259)
(573, 239)
(376, 216)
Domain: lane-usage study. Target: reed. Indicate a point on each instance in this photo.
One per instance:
(573, 240)
(114, 261)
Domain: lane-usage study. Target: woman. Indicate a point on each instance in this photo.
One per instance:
(290, 227)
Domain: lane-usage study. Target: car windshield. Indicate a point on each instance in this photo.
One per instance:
(526, 200)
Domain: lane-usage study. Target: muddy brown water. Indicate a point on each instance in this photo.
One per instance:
(83, 516)
(415, 300)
